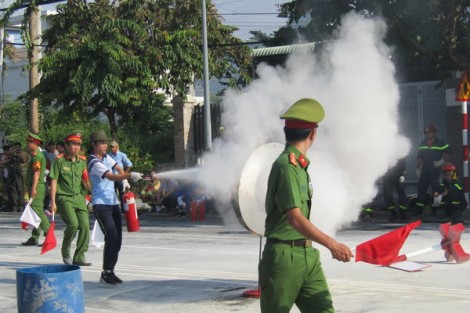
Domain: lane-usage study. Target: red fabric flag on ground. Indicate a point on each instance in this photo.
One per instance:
(29, 217)
(384, 249)
(50, 242)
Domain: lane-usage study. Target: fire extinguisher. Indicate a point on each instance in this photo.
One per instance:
(198, 210)
(130, 208)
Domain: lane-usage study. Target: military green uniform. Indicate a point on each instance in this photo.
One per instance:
(37, 163)
(290, 274)
(71, 203)
(290, 271)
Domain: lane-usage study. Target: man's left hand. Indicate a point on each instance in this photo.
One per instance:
(341, 252)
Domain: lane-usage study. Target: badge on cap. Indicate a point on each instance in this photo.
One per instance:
(75, 137)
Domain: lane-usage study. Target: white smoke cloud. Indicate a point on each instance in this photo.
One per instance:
(358, 139)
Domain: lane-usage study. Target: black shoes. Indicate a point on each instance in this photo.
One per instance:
(117, 279)
(81, 263)
(30, 242)
(110, 279)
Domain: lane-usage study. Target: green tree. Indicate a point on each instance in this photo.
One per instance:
(111, 57)
(54, 127)
(432, 34)
(14, 121)
(150, 131)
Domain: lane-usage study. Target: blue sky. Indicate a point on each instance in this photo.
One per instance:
(262, 15)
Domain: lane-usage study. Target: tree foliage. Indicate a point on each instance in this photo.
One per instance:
(14, 121)
(432, 34)
(113, 57)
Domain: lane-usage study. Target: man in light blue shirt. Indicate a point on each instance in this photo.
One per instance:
(121, 159)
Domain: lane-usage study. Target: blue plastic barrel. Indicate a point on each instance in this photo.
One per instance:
(50, 289)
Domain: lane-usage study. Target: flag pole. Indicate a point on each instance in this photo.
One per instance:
(416, 253)
(450, 243)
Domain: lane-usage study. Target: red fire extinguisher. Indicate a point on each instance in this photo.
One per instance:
(198, 210)
(130, 208)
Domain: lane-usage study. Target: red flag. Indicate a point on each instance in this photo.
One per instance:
(50, 242)
(384, 249)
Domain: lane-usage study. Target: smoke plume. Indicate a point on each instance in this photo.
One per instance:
(356, 143)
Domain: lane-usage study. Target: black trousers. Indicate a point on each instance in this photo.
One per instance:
(109, 218)
(118, 186)
(427, 179)
(15, 193)
(387, 191)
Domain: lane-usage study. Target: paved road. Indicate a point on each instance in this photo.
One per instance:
(174, 265)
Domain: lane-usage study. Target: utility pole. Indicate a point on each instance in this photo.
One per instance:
(207, 102)
(2, 47)
(34, 72)
(2, 40)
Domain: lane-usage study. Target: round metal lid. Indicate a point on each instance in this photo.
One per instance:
(253, 186)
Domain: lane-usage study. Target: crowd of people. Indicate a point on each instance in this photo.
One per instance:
(439, 194)
(13, 162)
(170, 196)
(59, 178)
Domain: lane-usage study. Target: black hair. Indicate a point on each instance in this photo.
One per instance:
(17, 144)
(61, 143)
(296, 134)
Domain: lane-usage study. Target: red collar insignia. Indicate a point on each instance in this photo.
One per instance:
(303, 161)
(292, 159)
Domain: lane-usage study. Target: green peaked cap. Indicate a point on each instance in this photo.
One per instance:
(34, 136)
(305, 109)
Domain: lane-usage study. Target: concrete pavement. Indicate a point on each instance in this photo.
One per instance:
(174, 265)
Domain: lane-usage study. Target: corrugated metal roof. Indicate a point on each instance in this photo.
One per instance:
(262, 52)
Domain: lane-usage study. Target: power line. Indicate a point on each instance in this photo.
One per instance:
(39, 3)
(249, 13)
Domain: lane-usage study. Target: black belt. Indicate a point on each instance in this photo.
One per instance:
(306, 243)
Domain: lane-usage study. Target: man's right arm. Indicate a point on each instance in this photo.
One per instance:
(53, 193)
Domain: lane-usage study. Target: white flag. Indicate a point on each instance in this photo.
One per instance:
(97, 236)
(29, 216)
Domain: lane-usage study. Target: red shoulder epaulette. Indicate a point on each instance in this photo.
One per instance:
(82, 157)
(303, 161)
(60, 156)
(292, 159)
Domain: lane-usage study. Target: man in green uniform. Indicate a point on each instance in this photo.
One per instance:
(68, 174)
(290, 270)
(36, 186)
